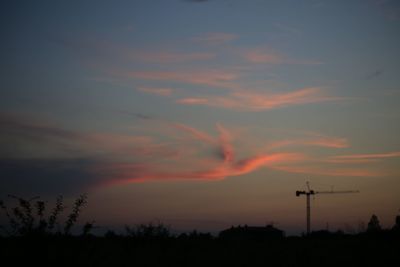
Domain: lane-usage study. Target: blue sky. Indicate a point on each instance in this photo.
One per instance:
(209, 113)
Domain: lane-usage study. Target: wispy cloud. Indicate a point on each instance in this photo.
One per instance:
(104, 158)
(171, 57)
(363, 158)
(107, 159)
(270, 56)
(314, 140)
(193, 101)
(156, 91)
(226, 148)
(226, 166)
(250, 101)
(215, 38)
(221, 171)
(27, 127)
(263, 56)
(329, 171)
(214, 78)
(374, 74)
(197, 134)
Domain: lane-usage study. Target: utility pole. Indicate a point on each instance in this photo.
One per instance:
(310, 192)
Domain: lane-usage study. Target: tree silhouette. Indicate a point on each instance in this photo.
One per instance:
(396, 226)
(374, 225)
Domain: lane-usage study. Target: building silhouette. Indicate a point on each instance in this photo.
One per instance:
(252, 233)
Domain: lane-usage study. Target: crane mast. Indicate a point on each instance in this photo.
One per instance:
(310, 192)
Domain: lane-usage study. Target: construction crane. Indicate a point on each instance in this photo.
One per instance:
(310, 192)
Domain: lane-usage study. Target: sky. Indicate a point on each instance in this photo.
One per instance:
(204, 114)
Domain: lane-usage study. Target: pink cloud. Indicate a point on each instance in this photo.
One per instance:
(321, 141)
(363, 158)
(193, 101)
(349, 161)
(197, 134)
(262, 56)
(226, 147)
(138, 173)
(253, 163)
(329, 172)
(156, 91)
(227, 165)
(215, 38)
(370, 156)
(250, 101)
(214, 78)
(269, 56)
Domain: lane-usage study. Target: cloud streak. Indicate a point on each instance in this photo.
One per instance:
(363, 158)
(171, 57)
(213, 78)
(215, 38)
(156, 91)
(249, 101)
(109, 159)
(225, 166)
(349, 172)
(270, 56)
(319, 141)
(195, 133)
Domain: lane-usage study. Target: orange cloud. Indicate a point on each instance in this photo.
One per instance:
(249, 101)
(215, 38)
(227, 165)
(253, 163)
(156, 91)
(133, 173)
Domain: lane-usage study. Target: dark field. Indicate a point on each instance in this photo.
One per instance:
(361, 250)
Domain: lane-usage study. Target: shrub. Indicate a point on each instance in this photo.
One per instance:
(28, 217)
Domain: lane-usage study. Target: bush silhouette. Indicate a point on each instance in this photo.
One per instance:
(28, 217)
(148, 231)
(374, 225)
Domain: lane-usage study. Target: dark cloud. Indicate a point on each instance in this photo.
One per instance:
(46, 177)
(374, 74)
(137, 115)
(23, 126)
(390, 9)
(42, 159)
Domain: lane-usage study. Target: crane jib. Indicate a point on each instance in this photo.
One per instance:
(312, 192)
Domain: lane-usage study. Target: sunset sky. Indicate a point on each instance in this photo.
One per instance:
(203, 113)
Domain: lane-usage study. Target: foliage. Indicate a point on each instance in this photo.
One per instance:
(374, 225)
(28, 217)
(148, 231)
